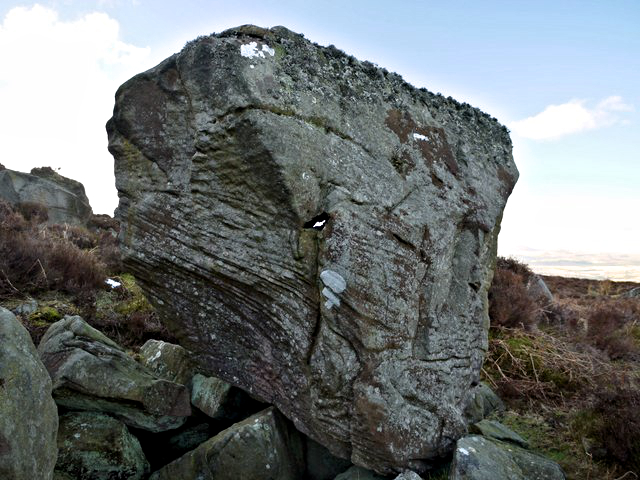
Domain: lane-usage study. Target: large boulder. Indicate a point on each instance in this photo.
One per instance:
(64, 198)
(98, 447)
(28, 414)
(317, 232)
(91, 372)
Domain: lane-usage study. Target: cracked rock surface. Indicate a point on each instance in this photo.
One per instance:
(318, 232)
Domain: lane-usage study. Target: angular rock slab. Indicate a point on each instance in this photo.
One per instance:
(97, 446)
(263, 447)
(168, 361)
(479, 458)
(28, 414)
(91, 372)
(318, 232)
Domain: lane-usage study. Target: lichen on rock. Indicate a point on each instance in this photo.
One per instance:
(222, 158)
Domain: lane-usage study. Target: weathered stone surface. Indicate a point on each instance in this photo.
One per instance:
(168, 361)
(367, 330)
(359, 473)
(482, 402)
(91, 372)
(210, 394)
(479, 458)
(98, 447)
(28, 414)
(538, 289)
(64, 198)
(263, 446)
(493, 429)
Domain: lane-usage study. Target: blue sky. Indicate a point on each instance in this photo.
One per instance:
(564, 76)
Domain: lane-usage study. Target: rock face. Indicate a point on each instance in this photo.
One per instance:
(91, 372)
(96, 446)
(64, 198)
(28, 414)
(317, 232)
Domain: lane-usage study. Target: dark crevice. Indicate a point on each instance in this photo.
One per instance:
(318, 222)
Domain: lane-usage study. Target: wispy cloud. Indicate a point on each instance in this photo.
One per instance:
(575, 116)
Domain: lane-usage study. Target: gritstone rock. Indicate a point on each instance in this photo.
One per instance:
(317, 232)
(99, 447)
(263, 446)
(91, 372)
(64, 198)
(28, 414)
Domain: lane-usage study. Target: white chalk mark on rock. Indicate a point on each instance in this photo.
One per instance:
(463, 451)
(251, 50)
(332, 298)
(112, 283)
(333, 280)
(424, 138)
(319, 224)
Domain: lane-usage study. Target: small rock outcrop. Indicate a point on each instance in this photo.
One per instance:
(263, 446)
(91, 372)
(317, 232)
(64, 198)
(28, 414)
(482, 402)
(96, 446)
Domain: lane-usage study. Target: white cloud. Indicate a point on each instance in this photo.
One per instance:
(575, 116)
(57, 86)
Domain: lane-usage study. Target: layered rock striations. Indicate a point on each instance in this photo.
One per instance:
(318, 232)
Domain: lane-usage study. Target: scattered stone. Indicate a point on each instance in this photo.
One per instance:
(210, 394)
(366, 328)
(493, 429)
(538, 289)
(321, 464)
(27, 308)
(359, 473)
(483, 402)
(64, 199)
(28, 414)
(263, 446)
(480, 458)
(633, 293)
(168, 361)
(98, 447)
(91, 372)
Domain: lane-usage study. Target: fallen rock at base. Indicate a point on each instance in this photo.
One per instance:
(496, 430)
(263, 446)
(482, 402)
(479, 458)
(317, 232)
(209, 395)
(168, 361)
(98, 447)
(64, 198)
(28, 414)
(359, 473)
(91, 372)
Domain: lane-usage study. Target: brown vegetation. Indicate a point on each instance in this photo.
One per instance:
(569, 370)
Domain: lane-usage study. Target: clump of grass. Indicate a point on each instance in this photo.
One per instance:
(538, 365)
(34, 259)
